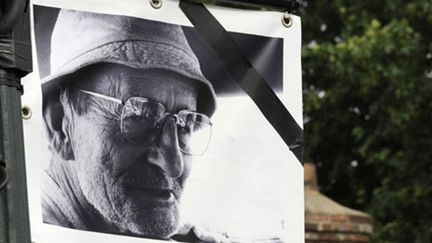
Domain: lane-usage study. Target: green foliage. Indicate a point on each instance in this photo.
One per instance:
(367, 77)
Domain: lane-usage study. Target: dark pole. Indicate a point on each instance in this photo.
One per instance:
(15, 62)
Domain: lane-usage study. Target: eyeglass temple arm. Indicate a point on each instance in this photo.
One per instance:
(105, 97)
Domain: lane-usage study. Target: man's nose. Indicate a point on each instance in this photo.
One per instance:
(168, 156)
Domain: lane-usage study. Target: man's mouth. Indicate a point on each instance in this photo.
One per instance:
(147, 186)
(153, 195)
(159, 193)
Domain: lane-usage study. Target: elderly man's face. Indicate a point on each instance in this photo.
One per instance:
(136, 187)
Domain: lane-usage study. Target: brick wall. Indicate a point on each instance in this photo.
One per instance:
(327, 221)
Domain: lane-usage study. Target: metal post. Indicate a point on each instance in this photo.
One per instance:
(15, 62)
(14, 222)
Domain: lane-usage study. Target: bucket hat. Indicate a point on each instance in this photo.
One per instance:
(80, 39)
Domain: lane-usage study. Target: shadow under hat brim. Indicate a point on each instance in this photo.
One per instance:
(139, 55)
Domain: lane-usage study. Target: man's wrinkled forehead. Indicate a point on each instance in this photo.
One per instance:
(157, 84)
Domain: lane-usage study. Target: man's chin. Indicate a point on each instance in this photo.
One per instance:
(152, 221)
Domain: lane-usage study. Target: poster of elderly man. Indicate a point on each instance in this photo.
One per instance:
(145, 135)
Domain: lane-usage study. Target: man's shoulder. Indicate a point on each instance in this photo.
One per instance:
(54, 203)
(60, 204)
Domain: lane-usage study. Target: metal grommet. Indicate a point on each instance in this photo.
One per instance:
(156, 4)
(26, 112)
(287, 20)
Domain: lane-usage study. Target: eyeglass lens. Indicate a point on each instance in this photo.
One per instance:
(142, 120)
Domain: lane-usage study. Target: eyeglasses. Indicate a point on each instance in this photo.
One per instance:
(142, 120)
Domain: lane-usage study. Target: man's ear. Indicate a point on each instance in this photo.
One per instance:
(58, 135)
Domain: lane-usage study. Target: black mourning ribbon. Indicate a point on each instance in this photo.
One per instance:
(245, 75)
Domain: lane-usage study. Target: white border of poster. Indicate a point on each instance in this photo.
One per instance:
(252, 200)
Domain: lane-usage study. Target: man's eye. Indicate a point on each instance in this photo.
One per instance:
(184, 127)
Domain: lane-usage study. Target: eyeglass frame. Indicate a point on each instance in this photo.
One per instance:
(175, 115)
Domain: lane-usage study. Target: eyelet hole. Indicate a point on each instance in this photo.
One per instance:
(287, 20)
(156, 4)
(26, 112)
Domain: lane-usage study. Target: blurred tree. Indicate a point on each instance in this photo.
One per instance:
(368, 109)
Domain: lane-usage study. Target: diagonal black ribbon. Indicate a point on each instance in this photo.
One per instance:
(245, 75)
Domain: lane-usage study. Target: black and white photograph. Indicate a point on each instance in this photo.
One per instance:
(147, 136)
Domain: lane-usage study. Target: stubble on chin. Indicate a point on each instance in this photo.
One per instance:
(148, 220)
(143, 213)
(110, 194)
